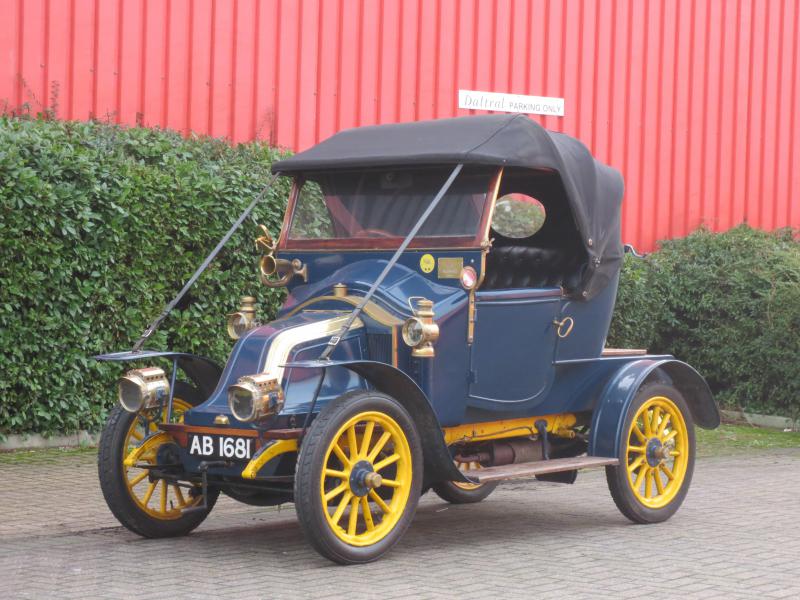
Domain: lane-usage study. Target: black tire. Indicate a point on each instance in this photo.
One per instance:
(460, 493)
(113, 482)
(312, 511)
(622, 490)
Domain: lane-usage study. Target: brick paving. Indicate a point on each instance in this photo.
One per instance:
(737, 536)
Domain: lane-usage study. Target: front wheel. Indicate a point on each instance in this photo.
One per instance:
(656, 459)
(145, 505)
(358, 477)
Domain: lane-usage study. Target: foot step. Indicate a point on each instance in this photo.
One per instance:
(539, 467)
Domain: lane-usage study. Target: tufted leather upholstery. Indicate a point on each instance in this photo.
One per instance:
(527, 267)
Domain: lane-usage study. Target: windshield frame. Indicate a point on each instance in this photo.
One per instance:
(379, 243)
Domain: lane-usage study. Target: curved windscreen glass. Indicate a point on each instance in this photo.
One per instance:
(388, 203)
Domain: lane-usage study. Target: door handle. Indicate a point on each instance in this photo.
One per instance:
(564, 326)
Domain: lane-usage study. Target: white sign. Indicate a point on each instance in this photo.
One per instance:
(516, 103)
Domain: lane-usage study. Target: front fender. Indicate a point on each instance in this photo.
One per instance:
(611, 409)
(439, 464)
(202, 371)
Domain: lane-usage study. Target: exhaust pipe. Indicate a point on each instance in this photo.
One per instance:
(499, 453)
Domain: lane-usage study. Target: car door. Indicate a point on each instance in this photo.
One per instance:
(511, 358)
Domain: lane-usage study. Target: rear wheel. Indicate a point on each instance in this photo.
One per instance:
(147, 506)
(656, 458)
(358, 478)
(459, 492)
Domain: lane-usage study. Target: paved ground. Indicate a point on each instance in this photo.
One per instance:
(737, 536)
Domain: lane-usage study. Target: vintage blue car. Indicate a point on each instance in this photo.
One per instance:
(450, 288)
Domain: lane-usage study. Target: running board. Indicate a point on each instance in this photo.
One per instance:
(539, 467)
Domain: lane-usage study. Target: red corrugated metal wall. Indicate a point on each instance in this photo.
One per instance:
(694, 101)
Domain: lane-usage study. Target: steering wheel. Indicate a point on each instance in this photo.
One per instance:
(373, 233)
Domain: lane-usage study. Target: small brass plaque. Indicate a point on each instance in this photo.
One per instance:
(450, 268)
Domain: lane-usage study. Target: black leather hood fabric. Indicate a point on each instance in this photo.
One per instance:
(594, 190)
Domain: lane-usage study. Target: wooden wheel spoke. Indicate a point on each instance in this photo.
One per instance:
(133, 482)
(376, 449)
(367, 513)
(636, 449)
(647, 477)
(393, 483)
(336, 491)
(635, 464)
(659, 482)
(179, 495)
(663, 426)
(337, 450)
(674, 453)
(646, 417)
(670, 436)
(352, 443)
(149, 493)
(353, 522)
(656, 417)
(638, 433)
(337, 474)
(640, 477)
(367, 438)
(389, 460)
(136, 435)
(379, 501)
(670, 475)
(342, 505)
(164, 495)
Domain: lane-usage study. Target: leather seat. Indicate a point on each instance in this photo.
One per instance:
(528, 267)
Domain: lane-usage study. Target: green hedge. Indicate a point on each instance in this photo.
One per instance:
(728, 304)
(100, 227)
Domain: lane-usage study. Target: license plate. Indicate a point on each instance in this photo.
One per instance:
(221, 446)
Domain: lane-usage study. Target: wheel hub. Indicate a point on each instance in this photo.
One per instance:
(655, 452)
(363, 478)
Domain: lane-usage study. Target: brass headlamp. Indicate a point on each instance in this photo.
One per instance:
(143, 388)
(254, 397)
(243, 320)
(419, 331)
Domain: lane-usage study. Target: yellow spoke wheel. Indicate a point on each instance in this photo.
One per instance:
(368, 454)
(656, 459)
(657, 452)
(358, 477)
(151, 508)
(461, 492)
(468, 466)
(159, 499)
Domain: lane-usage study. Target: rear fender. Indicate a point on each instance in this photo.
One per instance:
(203, 372)
(609, 414)
(385, 378)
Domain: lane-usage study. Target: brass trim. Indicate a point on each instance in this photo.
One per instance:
(339, 290)
(492, 202)
(222, 420)
(372, 310)
(394, 345)
(449, 267)
(569, 322)
(486, 245)
(286, 340)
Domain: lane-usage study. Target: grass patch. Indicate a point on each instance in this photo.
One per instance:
(740, 438)
(44, 455)
(716, 442)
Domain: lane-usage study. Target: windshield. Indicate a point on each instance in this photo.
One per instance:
(366, 206)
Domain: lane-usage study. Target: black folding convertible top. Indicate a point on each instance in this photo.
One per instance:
(593, 189)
